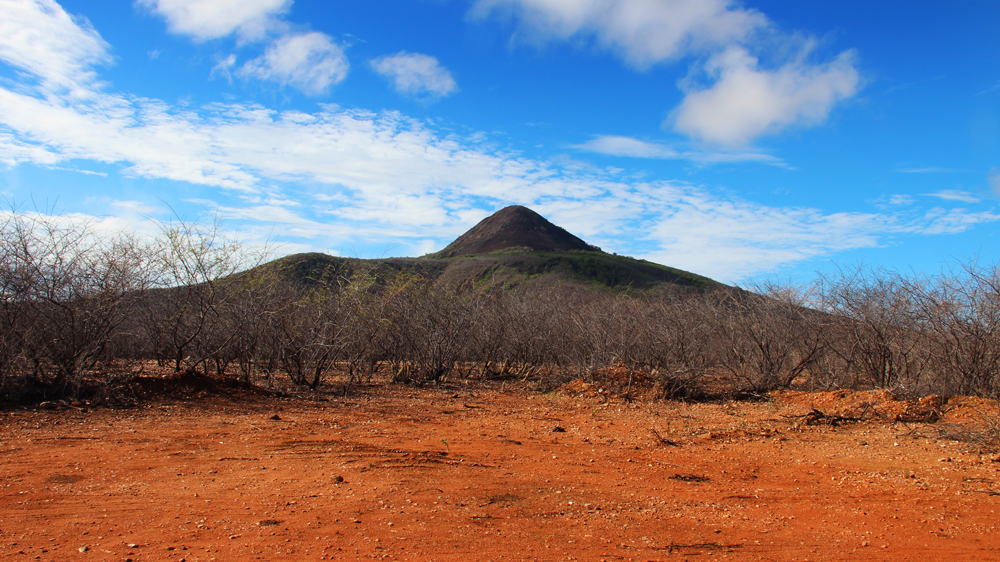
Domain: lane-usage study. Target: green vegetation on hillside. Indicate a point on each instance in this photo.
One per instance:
(585, 269)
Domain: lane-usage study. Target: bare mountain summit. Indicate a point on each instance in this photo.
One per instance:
(514, 227)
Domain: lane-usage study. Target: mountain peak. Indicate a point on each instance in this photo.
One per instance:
(514, 227)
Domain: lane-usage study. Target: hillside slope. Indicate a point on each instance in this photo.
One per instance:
(513, 246)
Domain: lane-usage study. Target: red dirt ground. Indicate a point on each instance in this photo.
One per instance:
(470, 473)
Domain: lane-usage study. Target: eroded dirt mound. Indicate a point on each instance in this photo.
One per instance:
(882, 404)
(187, 385)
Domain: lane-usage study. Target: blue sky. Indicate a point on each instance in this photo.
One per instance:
(732, 139)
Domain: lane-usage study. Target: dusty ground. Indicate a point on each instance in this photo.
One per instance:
(474, 474)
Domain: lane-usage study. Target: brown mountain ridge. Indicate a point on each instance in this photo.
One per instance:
(514, 227)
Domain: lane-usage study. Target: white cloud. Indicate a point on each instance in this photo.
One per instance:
(627, 146)
(733, 238)
(309, 62)
(743, 100)
(212, 19)
(928, 170)
(955, 195)
(224, 68)
(14, 150)
(79, 171)
(951, 221)
(416, 75)
(994, 180)
(643, 32)
(898, 199)
(40, 38)
(635, 148)
(746, 101)
(991, 89)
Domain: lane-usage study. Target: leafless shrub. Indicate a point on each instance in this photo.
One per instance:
(195, 315)
(606, 334)
(428, 331)
(881, 333)
(770, 337)
(679, 342)
(331, 324)
(66, 294)
(960, 313)
(918, 334)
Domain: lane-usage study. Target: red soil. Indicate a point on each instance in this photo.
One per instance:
(475, 474)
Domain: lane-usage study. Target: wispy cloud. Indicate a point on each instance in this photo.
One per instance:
(627, 146)
(992, 89)
(928, 170)
(310, 62)
(612, 145)
(955, 195)
(417, 76)
(950, 221)
(224, 68)
(79, 171)
(890, 201)
(993, 178)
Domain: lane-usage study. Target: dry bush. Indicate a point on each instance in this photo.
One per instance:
(960, 312)
(770, 337)
(918, 335)
(428, 331)
(66, 294)
(881, 334)
(189, 319)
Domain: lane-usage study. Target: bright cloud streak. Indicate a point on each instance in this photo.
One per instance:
(416, 75)
(309, 62)
(406, 181)
(954, 195)
(929, 170)
(629, 147)
(40, 38)
(203, 20)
